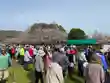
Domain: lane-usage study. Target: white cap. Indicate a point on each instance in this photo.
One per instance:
(41, 53)
(102, 50)
(62, 50)
(41, 48)
(74, 46)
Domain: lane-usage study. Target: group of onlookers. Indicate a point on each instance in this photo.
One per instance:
(53, 64)
(92, 64)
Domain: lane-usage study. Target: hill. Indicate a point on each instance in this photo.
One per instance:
(4, 34)
(45, 26)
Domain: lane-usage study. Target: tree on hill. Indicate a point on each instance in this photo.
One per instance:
(44, 25)
(61, 28)
(76, 33)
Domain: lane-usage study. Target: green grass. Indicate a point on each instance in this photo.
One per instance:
(21, 76)
(18, 75)
(74, 79)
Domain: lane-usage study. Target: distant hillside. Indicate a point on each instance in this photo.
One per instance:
(8, 34)
(37, 33)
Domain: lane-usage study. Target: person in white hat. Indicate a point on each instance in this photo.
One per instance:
(39, 66)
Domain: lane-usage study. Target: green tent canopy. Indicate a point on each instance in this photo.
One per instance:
(82, 41)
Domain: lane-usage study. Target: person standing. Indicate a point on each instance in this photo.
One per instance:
(54, 74)
(74, 52)
(39, 66)
(34, 51)
(5, 63)
(61, 58)
(22, 51)
(31, 51)
(27, 58)
(81, 60)
(13, 51)
(94, 72)
(17, 53)
(47, 60)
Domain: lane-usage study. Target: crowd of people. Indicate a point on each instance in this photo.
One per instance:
(52, 64)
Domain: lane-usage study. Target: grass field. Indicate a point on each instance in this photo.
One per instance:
(22, 76)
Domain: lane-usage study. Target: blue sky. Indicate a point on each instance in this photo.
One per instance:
(89, 15)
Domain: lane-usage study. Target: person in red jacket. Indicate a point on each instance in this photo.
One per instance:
(31, 51)
(13, 51)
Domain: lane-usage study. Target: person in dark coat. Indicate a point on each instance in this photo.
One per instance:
(60, 57)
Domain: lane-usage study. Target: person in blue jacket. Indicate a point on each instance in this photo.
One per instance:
(104, 61)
